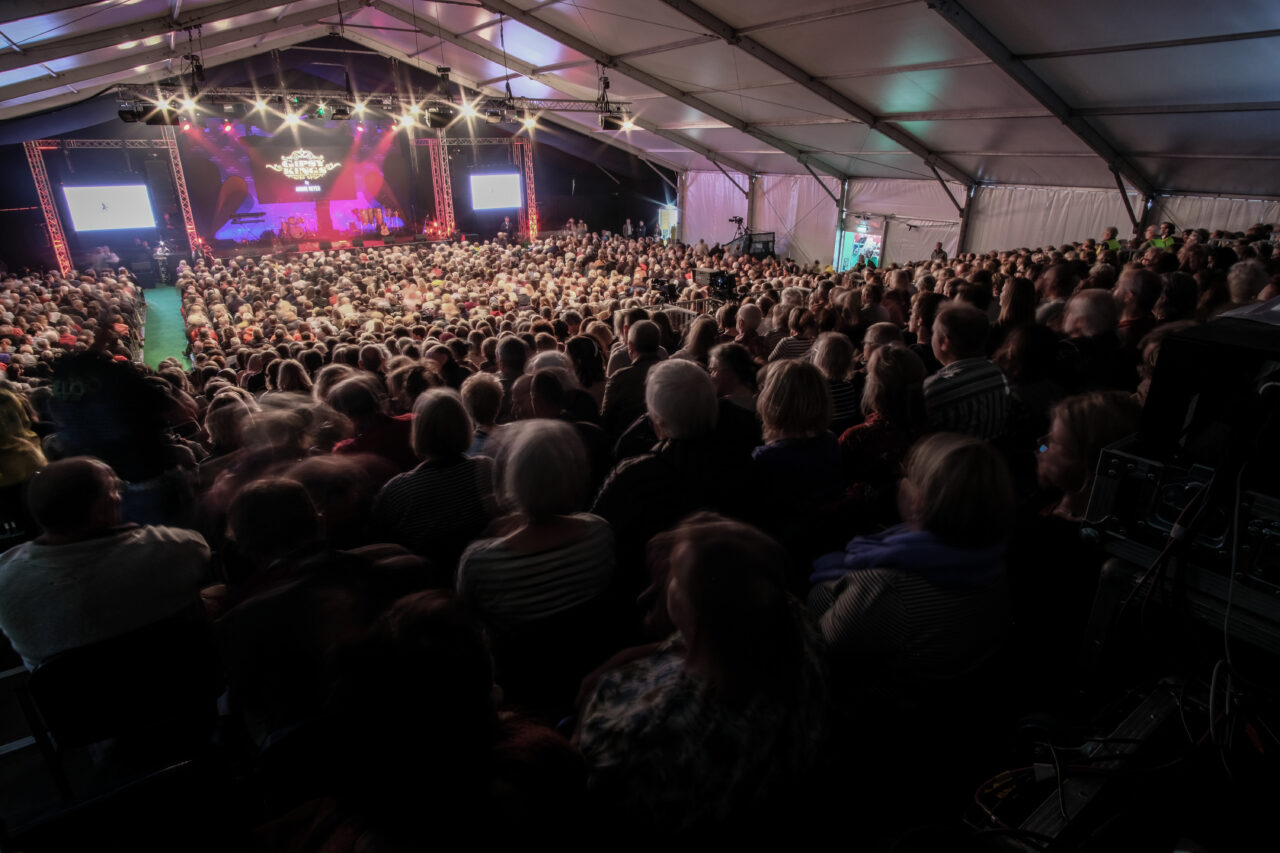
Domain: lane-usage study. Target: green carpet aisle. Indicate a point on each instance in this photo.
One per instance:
(166, 333)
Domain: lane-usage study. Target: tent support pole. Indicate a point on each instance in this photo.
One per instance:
(947, 190)
(825, 188)
(658, 172)
(731, 180)
(1124, 196)
(964, 227)
(841, 213)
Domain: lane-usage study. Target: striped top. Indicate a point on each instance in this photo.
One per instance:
(791, 348)
(846, 401)
(969, 396)
(437, 508)
(896, 625)
(510, 587)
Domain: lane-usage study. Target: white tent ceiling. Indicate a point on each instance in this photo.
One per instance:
(1174, 97)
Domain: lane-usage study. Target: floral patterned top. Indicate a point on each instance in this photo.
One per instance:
(662, 749)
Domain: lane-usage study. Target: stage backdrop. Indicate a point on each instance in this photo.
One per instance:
(315, 178)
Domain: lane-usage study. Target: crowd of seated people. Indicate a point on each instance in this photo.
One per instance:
(525, 551)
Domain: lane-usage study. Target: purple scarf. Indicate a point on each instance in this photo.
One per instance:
(917, 551)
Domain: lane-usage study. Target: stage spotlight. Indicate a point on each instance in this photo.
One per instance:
(226, 127)
(188, 105)
(360, 108)
(529, 122)
(611, 121)
(469, 111)
(406, 120)
(259, 104)
(186, 125)
(291, 119)
(628, 124)
(359, 128)
(441, 115)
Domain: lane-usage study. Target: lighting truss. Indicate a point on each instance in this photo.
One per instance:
(390, 102)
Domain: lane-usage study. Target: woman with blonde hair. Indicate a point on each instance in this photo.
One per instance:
(798, 467)
(833, 354)
(926, 601)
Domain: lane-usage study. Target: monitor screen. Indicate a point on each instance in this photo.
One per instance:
(496, 191)
(115, 208)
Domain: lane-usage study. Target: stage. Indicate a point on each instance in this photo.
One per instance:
(255, 250)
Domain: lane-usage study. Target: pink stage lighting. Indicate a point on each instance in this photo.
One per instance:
(186, 125)
(226, 128)
(359, 128)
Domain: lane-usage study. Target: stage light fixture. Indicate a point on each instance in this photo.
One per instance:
(260, 104)
(529, 122)
(226, 127)
(611, 121)
(469, 111)
(340, 113)
(360, 108)
(188, 105)
(406, 120)
(291, 119)
(359, 128)
(130, 114)
(628, 124)
(415, 109)
(441, 116)
(494, 116)
(186, 125)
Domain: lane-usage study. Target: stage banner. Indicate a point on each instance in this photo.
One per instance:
(287, 172)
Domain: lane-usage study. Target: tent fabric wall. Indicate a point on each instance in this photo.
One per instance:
(913, 239)
(710, 199)
(800, 213)
(1214, 212)
(919, 214)
(910, 199)
(1014, 217)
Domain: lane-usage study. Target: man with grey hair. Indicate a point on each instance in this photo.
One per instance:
(624, 392)
(1092, 358)
(690, 469)
(1245, 280)
(1136, 293)
(749, 318)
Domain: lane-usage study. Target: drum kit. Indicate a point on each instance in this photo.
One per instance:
(296, 228)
